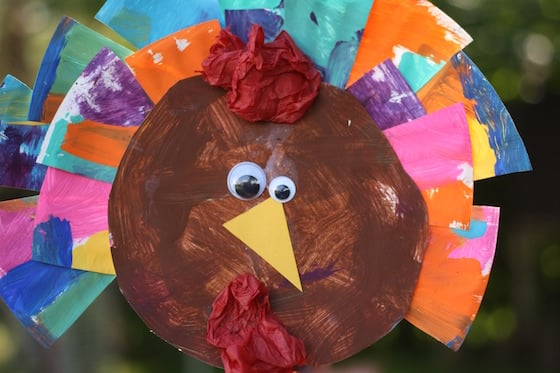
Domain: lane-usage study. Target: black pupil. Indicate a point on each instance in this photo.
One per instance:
(247, 186)
(282, 192)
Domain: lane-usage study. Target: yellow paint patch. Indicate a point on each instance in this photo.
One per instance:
(484, 157)
(264, 230)
(94, 255)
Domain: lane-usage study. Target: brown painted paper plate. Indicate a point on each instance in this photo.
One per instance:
(357, 223)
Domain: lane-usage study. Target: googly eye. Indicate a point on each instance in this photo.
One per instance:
(282, 189)
(246, 180)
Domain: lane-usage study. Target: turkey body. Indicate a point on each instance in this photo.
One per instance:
(357, 224)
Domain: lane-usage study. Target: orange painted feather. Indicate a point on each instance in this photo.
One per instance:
(97, 142)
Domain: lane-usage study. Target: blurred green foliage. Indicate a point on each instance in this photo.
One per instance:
(517, 46)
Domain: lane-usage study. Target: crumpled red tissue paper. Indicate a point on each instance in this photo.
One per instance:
(251, 337)
(272, 82)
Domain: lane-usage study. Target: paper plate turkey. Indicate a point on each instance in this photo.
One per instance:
(274, 184)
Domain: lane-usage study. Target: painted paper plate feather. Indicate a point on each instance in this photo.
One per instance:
(274, 184)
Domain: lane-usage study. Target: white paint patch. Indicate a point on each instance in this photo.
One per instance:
(182, 44)
(3, 136)
(79, 242)
(397, 97)
(108, 76)
(432, 192)
(398, 53)
(377, 75)
(487, 268)
(156, 57)
(454, 32)
(83, 88)
(457, 225)
(389, 197)
(466, 175)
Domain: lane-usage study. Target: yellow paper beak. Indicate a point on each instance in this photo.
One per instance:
(264, 230)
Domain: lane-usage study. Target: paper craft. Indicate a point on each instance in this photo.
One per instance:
(367, 194)
(71, 48)
(347, 212)
(37, 293)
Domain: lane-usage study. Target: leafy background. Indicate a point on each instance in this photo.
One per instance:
(517, 46)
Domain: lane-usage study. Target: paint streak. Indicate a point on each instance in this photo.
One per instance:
(339, 66)
(314, 18)
(19, 148)
(314, 275)
(249, 4)
(174, 65)
(15, 97)
(50, 106)
(94, 254)
(16, 224)
(435, 150)
(70, 50)
(511, 155)
(240, 22)
(451, 286)
(386, 96)
(52, 242)
(424, 30)
(97, 142)
(141, 23)
(338, 24)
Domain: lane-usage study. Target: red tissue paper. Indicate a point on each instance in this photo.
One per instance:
(272, 82)
(251, 337)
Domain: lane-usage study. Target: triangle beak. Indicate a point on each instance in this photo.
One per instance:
(264, 230)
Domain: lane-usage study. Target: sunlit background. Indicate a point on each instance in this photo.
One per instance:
(517, 46)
